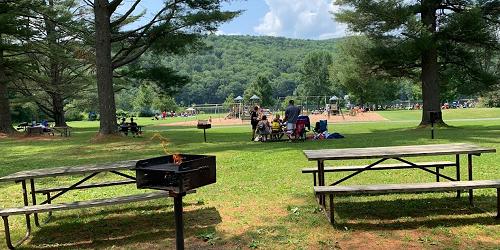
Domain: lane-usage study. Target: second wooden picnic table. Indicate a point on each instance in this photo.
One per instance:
(398, 153)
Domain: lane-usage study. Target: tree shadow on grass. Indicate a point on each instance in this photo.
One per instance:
(148, 225)
(229, 141)
(404, 213)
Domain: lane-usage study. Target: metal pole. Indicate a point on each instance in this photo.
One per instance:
(179, 224)
(204, 134)
(432, 130)
(469, 168)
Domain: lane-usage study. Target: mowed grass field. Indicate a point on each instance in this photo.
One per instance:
(261, 198)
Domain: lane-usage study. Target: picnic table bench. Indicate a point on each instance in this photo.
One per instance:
(63, 131)
(89, 171)
(405, 188)
(399, 153)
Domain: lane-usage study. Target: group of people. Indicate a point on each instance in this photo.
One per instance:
(263, 128)
(131, 126)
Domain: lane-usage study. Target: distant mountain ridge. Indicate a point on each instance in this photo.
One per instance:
(232, 62)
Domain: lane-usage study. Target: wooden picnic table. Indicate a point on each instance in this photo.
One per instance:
(396, 153)
(64, 130)
(88, 171)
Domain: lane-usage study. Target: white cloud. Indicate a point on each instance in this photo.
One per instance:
(310, 19)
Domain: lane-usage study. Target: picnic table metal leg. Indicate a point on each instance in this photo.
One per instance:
(321, 180)
(332, 217)
(8, 239)
(361, 170)
(25, 199)
(498, 204)
(424, 168)
(69, 188)
(457, 165)
(49, 202)
(33, 200)
(469, 168)
(437, 175)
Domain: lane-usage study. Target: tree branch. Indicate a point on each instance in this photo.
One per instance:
(124, 16)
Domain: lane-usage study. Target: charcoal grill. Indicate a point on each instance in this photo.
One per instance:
(164, 173)
(204, 124)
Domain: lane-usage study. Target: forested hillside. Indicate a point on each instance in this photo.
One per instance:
(230, 63)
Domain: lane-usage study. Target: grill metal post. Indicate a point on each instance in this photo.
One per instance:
(179, 223)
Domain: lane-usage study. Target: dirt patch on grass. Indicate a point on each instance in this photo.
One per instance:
(362, 117)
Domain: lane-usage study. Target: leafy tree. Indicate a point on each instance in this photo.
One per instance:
(262, 88)
(228, 102)
(164, 102)
(315, 74)
(353, 72)
(143, 100)
(428, 39)
(176, 26)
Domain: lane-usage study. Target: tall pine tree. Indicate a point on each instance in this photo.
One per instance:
(433, 38)
(12, 28)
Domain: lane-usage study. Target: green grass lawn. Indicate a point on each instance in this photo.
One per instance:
(261, 199)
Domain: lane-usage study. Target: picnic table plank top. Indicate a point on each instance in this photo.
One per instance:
(395, 151)
(59, 171)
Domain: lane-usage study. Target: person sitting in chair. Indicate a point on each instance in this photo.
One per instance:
(134, 129)
(124, 126)
(263, 128)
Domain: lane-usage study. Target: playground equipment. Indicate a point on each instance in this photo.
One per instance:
(333, 108)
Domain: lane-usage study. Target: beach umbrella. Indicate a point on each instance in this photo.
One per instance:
(334, 98)
(238, 98)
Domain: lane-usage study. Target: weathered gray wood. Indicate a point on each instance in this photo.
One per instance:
(60, 171)
(83, 204)
(407, 188)
(380, 166)
(92, 185)
(395, 151)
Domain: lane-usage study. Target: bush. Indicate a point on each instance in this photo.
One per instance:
(74, 115)
(491, 99)
(122, 113)
(145, 113)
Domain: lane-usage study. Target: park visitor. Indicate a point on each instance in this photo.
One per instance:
(291, 115)
(263, 128)
(254, 120)
(124, 126)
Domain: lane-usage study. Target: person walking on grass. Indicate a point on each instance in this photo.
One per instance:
(291, 115)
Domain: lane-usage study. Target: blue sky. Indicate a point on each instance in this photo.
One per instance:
(305, 19)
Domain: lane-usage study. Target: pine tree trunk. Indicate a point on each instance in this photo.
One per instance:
(5, 118)
(104, 71)
(58, 109)
(430, 66)
(55, 73)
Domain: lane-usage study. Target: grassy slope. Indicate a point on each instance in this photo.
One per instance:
(261, 199)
